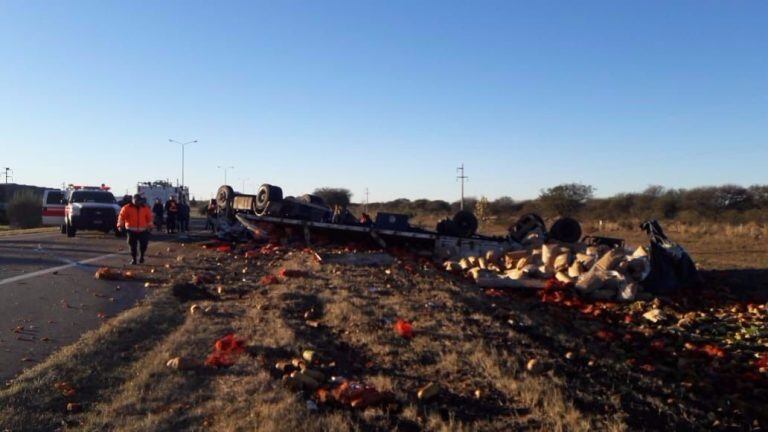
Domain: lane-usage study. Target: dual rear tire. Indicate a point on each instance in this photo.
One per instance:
(267, 193)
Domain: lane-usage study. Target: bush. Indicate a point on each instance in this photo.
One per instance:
(25, 210)
(566, 199)
(334, 196)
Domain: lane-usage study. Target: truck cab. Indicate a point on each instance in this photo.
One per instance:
(89, 208)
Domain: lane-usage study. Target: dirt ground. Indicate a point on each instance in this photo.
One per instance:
(494, 360)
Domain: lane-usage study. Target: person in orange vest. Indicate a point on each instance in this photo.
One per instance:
(136, 219)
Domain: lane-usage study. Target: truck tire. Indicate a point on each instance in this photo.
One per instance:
(447, 227)
(466, 223)
(567, 230)
(526, 224)
(71, 231)
(225, 198)
(266, 194)
(312, 199)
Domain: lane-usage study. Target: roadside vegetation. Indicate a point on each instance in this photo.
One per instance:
(729, 204)
(24, 210)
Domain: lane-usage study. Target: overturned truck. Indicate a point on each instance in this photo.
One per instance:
(527, 257)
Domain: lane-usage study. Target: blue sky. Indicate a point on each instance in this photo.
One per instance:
(389, 95)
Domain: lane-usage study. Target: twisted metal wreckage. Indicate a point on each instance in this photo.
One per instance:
(529, 256)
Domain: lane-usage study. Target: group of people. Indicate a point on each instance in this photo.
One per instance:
(136, 220)
(173, 214)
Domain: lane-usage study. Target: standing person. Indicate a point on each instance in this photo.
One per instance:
(158, 210)
(171, 214)
(183, 216)
(126, 199)
(136, 218)
(210, 215)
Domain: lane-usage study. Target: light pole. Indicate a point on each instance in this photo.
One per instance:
(182, 158)
(244, 180)
(225, 168)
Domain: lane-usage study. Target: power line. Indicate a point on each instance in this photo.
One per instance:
(461, 177)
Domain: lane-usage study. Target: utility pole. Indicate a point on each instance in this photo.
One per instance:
(182, 159)
(365, 207)
(5, 173)
(226, 168)
(461, 177)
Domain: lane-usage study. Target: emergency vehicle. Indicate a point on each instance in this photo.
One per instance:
(53, 207)
(89, 208)
(161, 189)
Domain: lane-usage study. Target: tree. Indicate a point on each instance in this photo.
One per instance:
(334, 196)
(759, 194)
(654, 190)
(503, 205)
(481, 208)
(732, 197)
(566, 199)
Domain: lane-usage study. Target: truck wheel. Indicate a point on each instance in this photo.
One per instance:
(466, 223)
(266, 194)
(313, 199)
(447, 227)
(225, 198)
(527, 224)
(71, 231)
(566, 230)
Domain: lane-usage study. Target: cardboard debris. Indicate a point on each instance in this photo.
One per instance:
(598, 272)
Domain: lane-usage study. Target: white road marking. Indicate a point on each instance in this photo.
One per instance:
(53, 269)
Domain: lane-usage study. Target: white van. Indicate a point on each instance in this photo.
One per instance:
(53, 207)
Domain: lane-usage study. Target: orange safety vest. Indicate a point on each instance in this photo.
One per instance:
(135, 218)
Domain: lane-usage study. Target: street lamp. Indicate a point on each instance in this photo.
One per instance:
(182, 158)
(244, 180)
(225, 168)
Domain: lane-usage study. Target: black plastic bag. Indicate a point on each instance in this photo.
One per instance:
(672, 268)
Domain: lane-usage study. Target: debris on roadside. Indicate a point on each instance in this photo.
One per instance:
(403, 328)
(597, 268)
(428, 391)
(181, 364)
(106, 273)
(65, 388)
(269, 279)
(225, 351)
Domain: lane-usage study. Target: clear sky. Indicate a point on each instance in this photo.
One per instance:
(389, 95)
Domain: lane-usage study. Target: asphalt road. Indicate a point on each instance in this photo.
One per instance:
(49, 297)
